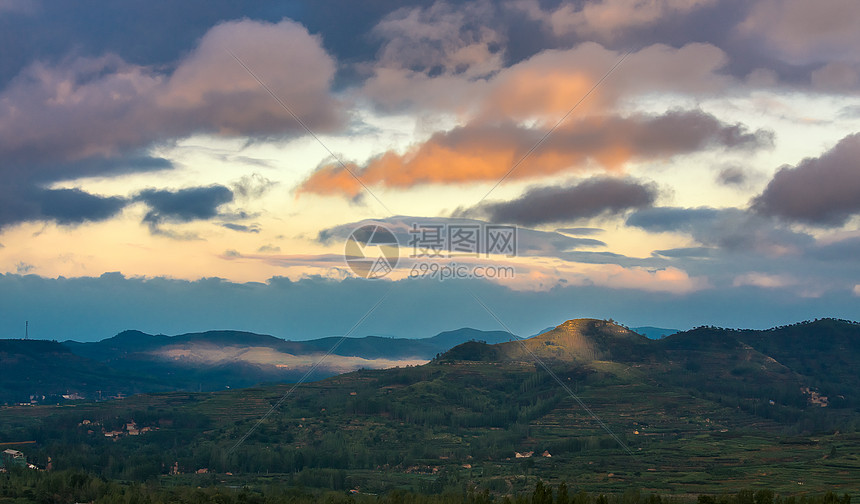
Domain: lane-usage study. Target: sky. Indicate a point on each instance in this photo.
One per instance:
(176, 167)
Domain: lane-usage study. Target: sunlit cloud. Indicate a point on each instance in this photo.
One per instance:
(487, 153)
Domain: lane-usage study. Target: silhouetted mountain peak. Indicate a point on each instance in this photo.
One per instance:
(448, 339)
(130, 336)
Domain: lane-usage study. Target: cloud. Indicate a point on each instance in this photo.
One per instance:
(607, 19)
(183, 205)
(242, 228)
(63, 206)
(429, 56)
(732, 176)
(71, 206)
(529, 242)
(580, 231)
(667, 219)
(95, 116)
(542, 261)
(802, 32)
(765, 281)
(836, 77)
(23, 268)
(823, 190)
(251, 187)
(686, 252)
(213, 92)
(730, 229)
(837, 251)
(24, 198)
(546, 85)
(486, 152)
(269, 248)
(443, 39)
(670, 279)
(590, 198)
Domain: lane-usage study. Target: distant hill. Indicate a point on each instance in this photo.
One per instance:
(44, 371)
(654, 332)
(368, 347)
(134, 361)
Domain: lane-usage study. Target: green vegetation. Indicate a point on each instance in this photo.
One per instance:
(70, 486)
(704, 413)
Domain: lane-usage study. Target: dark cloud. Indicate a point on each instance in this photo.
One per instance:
(63, 206)
(184, 205)
(732, 176)
(668, 219)
(731, 229)
(269, 248)
(686, 252)
(243, 228)
(48, 170)
(442, 39)
(587, 199)
(823, 190)
(23, 198)
(73, 206)
(842, 250)
(580, 231)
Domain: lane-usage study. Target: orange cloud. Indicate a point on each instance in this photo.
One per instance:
(503, 116)
(487, 151)
(539, 91)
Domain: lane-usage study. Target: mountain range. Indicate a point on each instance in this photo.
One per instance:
(133, 361)
(588, 401)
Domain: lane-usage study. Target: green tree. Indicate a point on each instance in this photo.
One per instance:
(562, 496)
(542, 494)
(764, 497)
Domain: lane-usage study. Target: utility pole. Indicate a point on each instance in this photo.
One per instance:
(26, 329)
